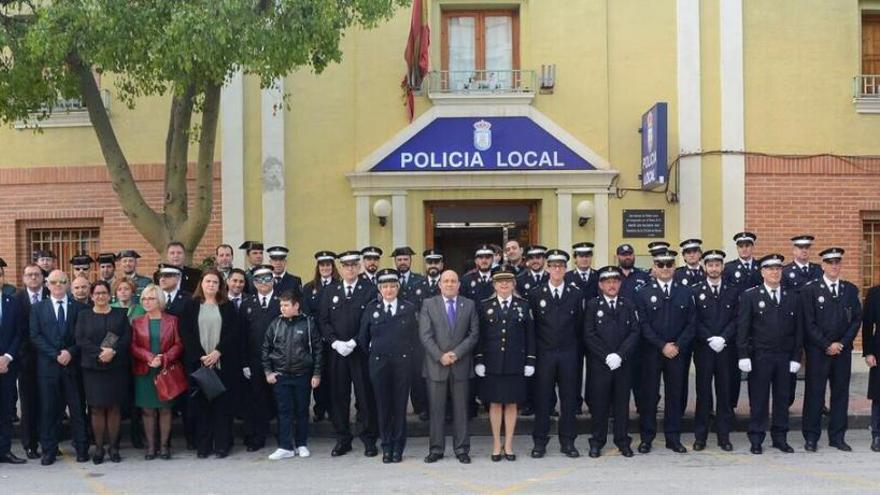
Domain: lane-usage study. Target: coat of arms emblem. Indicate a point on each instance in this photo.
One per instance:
(482, 135)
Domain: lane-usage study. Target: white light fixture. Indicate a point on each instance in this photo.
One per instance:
(382, 209)
(584, 211)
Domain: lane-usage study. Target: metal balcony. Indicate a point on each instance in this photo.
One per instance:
(866, 93)
(481, 86)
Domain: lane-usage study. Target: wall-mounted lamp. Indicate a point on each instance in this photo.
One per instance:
(382, 209)
(584, 211)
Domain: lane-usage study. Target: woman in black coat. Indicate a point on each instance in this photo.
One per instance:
(103, 334)
(871, 351)
(209, 333)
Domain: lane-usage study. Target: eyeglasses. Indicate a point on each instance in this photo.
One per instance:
(664, 264)
(57, 282)
(32, 274)
(80, 268)
(263, 280)
(149, 298)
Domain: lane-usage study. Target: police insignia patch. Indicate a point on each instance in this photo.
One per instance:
(375, 314)
(653, 299)
(600, 313)
(761, 304)
(528, 286)
(791, 275)
(702, 297)
(737, 274)
(489, 312)
(821, 299)
(543, 303)
(684, 281)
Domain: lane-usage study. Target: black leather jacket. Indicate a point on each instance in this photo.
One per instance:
(292, 346)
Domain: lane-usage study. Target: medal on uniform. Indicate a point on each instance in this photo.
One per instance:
(527, 286)
(684, 281)
(543, 303)
(653, 299)
(702, 297)
(600, 313)
(489, 311)
(821, 299)
(791, 275)
(737, 274)
(761, 304)
(473, 283)
(375, 314)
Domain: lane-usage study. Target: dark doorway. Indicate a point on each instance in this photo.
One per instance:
(456, 228)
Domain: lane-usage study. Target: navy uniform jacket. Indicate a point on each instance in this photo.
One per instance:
(49, 340)
(764, 327)
(630, 283)
(736, 274)
(829, 319)
(12, 327)
(716, 315)
(287, 282)
(255, 321)
(666, 319)
(525, 281)
(607, 331)
(558, 324)
(189, 278)
(176, 306)
(793, 277)
(340, 318)
(415, 290)
(590, 288)
(433, 287)
(871, 338)
(383, 334)
(366, 278)
(473, 288)
(311, 298)
(685, 276)
(507, 339)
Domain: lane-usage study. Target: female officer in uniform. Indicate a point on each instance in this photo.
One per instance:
(505, 356)
(389, 333)
(325, 274)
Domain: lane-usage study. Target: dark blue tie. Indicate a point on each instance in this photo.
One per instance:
(450, 312)
(62, 320)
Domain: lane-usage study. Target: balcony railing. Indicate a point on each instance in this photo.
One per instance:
(482, 82)
(70, 112)
(866, 93)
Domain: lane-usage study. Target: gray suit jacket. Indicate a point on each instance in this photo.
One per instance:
(439, 339)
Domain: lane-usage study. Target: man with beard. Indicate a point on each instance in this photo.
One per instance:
(513, 256)
(433, 269)
(175, 254)
(223, 260)
(535, 275)
(631, 279)
(107, 267)
(372, 258)
(477, 285)
(128, 262)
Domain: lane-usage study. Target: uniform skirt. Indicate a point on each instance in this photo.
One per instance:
(106, 388)
(503, 389)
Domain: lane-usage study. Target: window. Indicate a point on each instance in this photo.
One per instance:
(66, 112)
(480, 49)
(64, 242)
(870, 81)
(870, 251)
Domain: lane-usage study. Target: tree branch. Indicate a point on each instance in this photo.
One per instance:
(145, 219)
(176, 157)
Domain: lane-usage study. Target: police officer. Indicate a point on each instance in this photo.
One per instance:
(257, 312)
(667, 314)
(340, 312)
(433, 269)
(389, 331)
(801, 270)
(175, 296)
(513, 256)
(611, 332)
(253, 252)
(371, 257)
(325, 275)
(107, 267)
(46, 260)
(631, 276)
(81, 266)
(692, 272)
(769, 341)
(284, 281)
(477, 284)
(870, 351)
(534, 274)
(413, 288)
(557, 309)
(715, 340)
(832, 316)
(587, 280)
(128, 262)
(7, 289)
(741, 273)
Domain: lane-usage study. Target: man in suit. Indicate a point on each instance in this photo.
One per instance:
(742, 273)
(175, 254)
(34, 291)
(12, 328)
(535, 274)
(449, 330)
(871, 351)
(52, 323)
(513, 256)
(284, 281)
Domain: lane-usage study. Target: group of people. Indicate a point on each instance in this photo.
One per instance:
(520, 333)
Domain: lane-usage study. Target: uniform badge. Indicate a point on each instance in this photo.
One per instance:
(489, 311)
(528, 286)
(761, 304)
(249, 311)
(543, 303)
(473, 283)
(418, 292)
(684, 281)
(335, 299)
(737, 274)
(375, 314)
(702, 297)
(600, 313)
(653, 299)
(791, 275)
(821, 299)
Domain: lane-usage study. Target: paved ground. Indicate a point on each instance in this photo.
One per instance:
(828, 471)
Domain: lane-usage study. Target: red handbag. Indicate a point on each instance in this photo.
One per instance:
(170, 382)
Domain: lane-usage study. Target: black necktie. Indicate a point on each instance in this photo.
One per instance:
(666, 289)
(237, 301)
(504, 305)
(277, 280)
(834, 289)
(715, 290)
(773, 297)
(611, 303)
(61, 318)
(556, 294)
(584, 276)
(388, 310)
(805, 270)
(264, 302)
(537, 279)
(348, 292)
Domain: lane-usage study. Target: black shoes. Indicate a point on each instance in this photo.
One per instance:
(221, 454)
(842, 446)
(644, 447)
(11, 458)
(464, 458)
(497, 457)
(386, 458)
(32, 453)
(254, 448)
(370, 450)
(783, 446)
(340, 449)
(98, 458)
(677, 447)
(725, 446)
(202, 455)
(570, 451)
(165, 455)
(538, 453)
(510, 457)
(84, 456)
(396, 457)
(699, 445)
(595, 452)
(626, 451)
(810, 446)
(527, 411)
(48, 459)
(756, 449)
(149, 456)
(433, 457)
(875, 444)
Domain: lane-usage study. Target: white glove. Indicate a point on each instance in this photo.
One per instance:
(613, 361)
(345, 350)
(745, 365)
(529, 370)
(480, 370)
(340, 347)
(246, 371)
(717, 343)
(351, 344)
(793, 366)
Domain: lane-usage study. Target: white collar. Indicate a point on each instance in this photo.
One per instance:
(501, 300)
(267, 296)
(608, 300)
(325, 281)
(393, 304)
(770, 291)
(56, 301)
(747, 262)
(38, 293)
(695, 268)
(799, 265)
(534, 274)
(346, 285)
(584, 272)
(828, 281)
(236, 297)
(561, 286)
(710, 284)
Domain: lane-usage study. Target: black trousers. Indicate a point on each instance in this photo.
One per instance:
(56, 393)
(322, 394)
(213, 420)
(583, 378)
(346, 373)
(558, 367)
(609, 394)
(770, 372)
(735, 379)
(7, 408)
(261, 408)
(685, 382)
(655, 365)
(418, 387)
(391, 379)
(834, 370)
(29, 398)
(712, 370)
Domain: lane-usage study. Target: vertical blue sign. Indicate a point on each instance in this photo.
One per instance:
(654, 167)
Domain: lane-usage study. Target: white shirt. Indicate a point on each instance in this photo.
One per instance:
(485, 276)
(666, 287)
(392, 303)
(747, 263)
(325, 281)
(31, 295)
(446, 301)
(828, 282)
(169, 296)
(404, 278)
(65, 303)
(267, 297)
(349, 287)
(558, 289)
(584, 274)
(611, 302)
(801, 266)
(778, 292)
(501, 301)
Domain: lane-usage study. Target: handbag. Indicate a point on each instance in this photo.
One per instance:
(208, 382)
(170, 382)
(109, 340)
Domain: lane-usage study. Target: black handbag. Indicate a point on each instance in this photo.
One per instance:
(208, 382)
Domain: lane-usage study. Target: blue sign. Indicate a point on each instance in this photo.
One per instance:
(653, 130)
(475, 144)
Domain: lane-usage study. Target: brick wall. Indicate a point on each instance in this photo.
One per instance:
(82, 196)
(822, 196)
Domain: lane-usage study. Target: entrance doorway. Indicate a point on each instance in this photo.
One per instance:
(456, 228)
